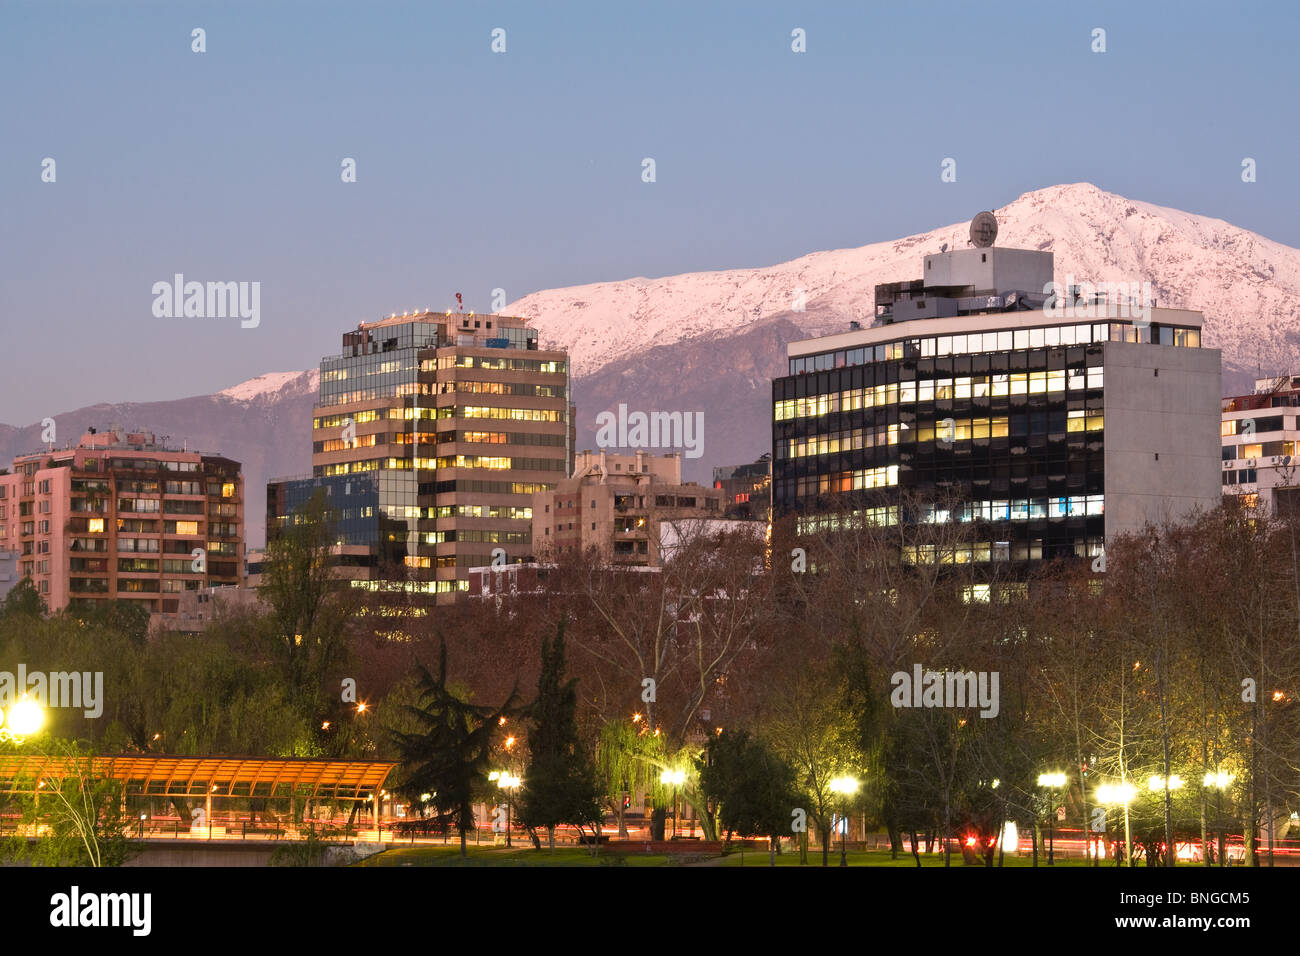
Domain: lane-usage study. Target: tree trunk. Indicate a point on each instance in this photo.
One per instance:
(916, 850)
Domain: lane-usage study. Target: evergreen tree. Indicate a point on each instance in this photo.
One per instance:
(753, 789)
(560, 782)
(448, 759)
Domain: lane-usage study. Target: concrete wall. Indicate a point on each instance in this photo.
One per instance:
(1162, 446)
(989, 270)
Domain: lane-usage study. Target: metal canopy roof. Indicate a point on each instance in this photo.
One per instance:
(174, 776)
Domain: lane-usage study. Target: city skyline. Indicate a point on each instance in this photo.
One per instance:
(230, 171)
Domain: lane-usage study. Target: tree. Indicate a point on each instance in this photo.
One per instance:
(306, 623)
(753, 789)
(446, 763)
(811, 727)
(629, 759)
(23, 601)
(560, 782)
(79, 817)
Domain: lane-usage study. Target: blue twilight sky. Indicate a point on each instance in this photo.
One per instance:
(522, 170)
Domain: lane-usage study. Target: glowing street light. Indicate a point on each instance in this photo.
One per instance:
(1053, 781)
(676, 778)
(1220, 780)
(24, 719)
(1158, 783)
(845, 786)
(1120, 794)
(508, 782)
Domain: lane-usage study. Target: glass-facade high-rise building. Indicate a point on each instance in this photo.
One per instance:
(431, 434)
(1051, 427)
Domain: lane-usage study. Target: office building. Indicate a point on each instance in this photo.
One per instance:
(431, 435)
(1055, 419)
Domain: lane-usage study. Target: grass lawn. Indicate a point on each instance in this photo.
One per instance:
(577, 856)
(880, 858)
(515, 856)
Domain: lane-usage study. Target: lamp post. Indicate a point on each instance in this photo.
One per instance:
(509, 783)
(1112, 794)
(1220, 782)
(1052, 781)
(1158, 784)
(845, 786)
(676, 778)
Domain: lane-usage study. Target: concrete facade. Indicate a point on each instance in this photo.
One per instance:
(1162, 444)
(616, 504)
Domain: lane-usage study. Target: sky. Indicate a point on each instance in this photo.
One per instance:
(523, 170)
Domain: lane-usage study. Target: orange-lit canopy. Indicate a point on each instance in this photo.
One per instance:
(164, 775)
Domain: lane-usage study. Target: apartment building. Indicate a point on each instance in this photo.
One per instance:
(619, 504)
(1259, 437)
(122, 516)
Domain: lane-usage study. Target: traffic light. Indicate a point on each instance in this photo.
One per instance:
(627, 800)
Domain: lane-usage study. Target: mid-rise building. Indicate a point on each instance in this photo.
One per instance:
(121, 516)
(618, 505)
(1259, 437)
(432, 433)
(747, 489)
(1056, 421)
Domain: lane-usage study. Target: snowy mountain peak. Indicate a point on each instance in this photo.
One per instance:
(1247, 286)
(273, 386)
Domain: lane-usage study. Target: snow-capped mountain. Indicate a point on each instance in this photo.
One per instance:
(1247, 286)
(712, 341)
(272, 386)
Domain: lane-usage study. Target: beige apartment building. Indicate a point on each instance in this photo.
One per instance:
(622, 505)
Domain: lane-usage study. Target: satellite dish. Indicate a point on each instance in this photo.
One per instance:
(944, 247)
(983, 230)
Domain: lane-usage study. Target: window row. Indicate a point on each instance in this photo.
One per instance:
(973, 343)
(966, 387)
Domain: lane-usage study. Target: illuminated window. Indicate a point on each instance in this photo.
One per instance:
(95, 526)
(228, 489)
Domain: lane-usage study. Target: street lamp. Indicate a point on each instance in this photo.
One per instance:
(676, 778)
(1112, 794)
(1218, 782)
(24, 719)
(1053, 781)
(508, 782)
(845, 786)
